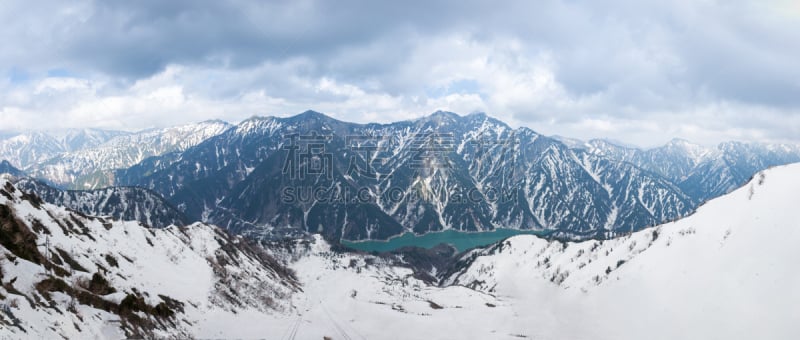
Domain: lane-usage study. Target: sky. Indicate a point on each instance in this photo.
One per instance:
(641, 72)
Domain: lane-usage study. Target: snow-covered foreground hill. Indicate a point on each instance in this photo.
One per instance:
(726, 272)
(67, 275)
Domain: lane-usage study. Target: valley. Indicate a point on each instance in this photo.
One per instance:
(461, 241)
(386, 170)
(667, 278)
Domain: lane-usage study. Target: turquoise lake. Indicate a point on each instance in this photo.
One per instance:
(459, 239)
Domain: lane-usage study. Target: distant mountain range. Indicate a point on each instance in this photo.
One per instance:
(28, 149)
(310, 173)
(701, 172)
(119, 203)
(439, 172)
(83, 159)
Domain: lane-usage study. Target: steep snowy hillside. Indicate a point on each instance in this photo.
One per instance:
(725, 272)
(735, 164)
(88, 168)
(701, 172)
(7, 168)
(440, 172)
(728, 271)
(355, 296)
(27, 149)
(120, 203)
(67, 275)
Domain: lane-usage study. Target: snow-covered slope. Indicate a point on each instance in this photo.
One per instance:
(7, 168)
(435, 173)
(26, 149)
(701, 172)
(66, 275)
(355, 296)
(119, 203)
(87, 168)
(728, 271)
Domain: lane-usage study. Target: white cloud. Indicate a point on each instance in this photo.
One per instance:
(61, 85)
(640, 72)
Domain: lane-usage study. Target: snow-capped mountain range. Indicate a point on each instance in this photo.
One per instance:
(727, 271)
(119, 203)
(83, 159)
(28, 149)
(68, 275)
(440, 172)
(237, 180)
(480, 174)
(701, 172)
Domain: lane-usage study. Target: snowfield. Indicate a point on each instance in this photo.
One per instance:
(726, 272)
(152, 282)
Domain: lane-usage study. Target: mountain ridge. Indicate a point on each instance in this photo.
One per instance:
(722, 258)
(99, 278)
(57, 158)
(702, 172)
(211, 176)
(574, 190)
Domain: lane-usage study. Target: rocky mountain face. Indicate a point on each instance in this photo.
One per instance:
(706, 275)
(64, 274)
(701, 172)
(7, 168)
(373, 181)
(28, 149)
(274, 177)
(709, 272)
(84, 159)
(94, 277)
(119, 203)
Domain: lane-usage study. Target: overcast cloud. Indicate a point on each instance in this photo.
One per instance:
(636, 71)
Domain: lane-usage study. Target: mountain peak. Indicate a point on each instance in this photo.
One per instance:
(312, 114)
(7, 168)
(608, 142)
(441, 117)
(687, 145)
(680, 142)
(215, 121)
(481, 117)
(440, 113)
